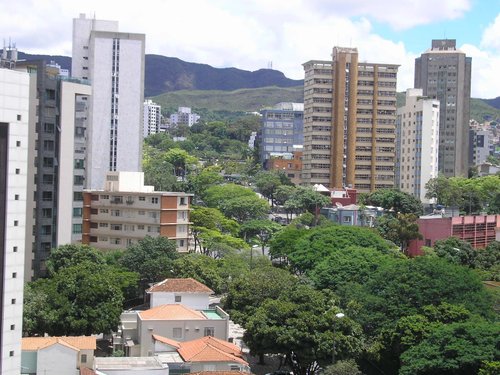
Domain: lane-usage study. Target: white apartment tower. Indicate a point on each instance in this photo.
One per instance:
(14, 117)
(152, 118)
(113, 61)
(417, 143)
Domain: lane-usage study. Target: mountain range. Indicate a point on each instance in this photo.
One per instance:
(166, 75)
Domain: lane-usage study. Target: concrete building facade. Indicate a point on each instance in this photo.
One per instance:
(417, 143)
(480, 146)
(151, 118)
(349, 122)
(282, 130)
(444, 73)
(114, 63)
(126, 211)
(14, 120)
(184, 116)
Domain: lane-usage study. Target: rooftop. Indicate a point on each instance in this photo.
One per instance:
(187, 285)
(127, 363)
(75, 342)
(172, 312)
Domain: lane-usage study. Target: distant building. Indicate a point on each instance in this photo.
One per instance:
(480, 146)
(345, 196)
(478, 230)
(444, 73)
(151, 118)
(126, 211)
(281, 130)
(14, 153)
(417, 143)
(349, 122)
(290, 164)
(353, 215)
(188, 291)
(183, 116)
(113, 61)
(487, 169)
(251, 140)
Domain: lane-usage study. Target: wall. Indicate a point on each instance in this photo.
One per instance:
(431, 230)
(193, 300)
(57, 359)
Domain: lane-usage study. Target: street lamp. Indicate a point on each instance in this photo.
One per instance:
(338, 316)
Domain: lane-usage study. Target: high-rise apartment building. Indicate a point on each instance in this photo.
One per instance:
(444, 73)
(151, 118)
(57, 164)
(282, 131)
(14, 120)
(184, 116)
(349, 122)
(479, 146)
(113, 61)
(417, 143)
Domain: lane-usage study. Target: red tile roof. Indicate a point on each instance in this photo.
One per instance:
(171, 312)
(87, 371)
(188, 285)
(166, 340)
(210, 349)
(74, 342)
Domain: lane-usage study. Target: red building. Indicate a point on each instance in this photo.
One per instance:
(479, 230)
(345, 196)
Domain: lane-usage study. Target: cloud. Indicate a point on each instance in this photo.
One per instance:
(485, 78)
(491, 35)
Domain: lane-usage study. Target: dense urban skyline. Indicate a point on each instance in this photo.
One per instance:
(284, 33)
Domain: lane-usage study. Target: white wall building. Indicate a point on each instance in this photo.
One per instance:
(189, 292)
(114, 63)
(151, 118)
(417, 143)
(14, 117)
(184, 117)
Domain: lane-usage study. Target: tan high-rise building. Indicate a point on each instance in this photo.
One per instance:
(349, 122)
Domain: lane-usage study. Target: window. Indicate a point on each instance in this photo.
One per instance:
(18, 117)
(48, 145)
(18, 171)
(181, 243)
(116, 227)
(48, 179)
(14, 275)
(77, 212)
(83, 358)
(11, 353)
(140, 227)
(347, 219)
(16, 197)
(177, 333)
(77, 228)
(154, 200)
(178, 298)
(103, 225)
(14, 249)
(77, 196)
(104, 211)
(209, 331)
(13, 301)
(79, 164)
(16, 223)
(182, 201)
(115, 212)
(46, 230)
(142, 199)
(47, 212)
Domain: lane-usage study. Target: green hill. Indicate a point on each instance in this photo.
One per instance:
(242, 100)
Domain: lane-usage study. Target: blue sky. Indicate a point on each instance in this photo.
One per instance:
(249, 34)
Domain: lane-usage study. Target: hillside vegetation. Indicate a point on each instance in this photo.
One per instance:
(238, 100)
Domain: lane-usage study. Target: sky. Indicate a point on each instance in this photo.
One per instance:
(256, 34)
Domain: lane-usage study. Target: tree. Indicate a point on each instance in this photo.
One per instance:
(456, 251)
(441, 189)
(306, 199)
(405, 286)
(211, 218)
(208, 176)
(399, 229)
(348, 367)
(216, 195)
(82, 299)
(217, 244)
(181, 160)
(199, 267)
(262, 231)
(320, 242)
(394, 199)
(284, 241)
(458, 348)
(245, 208)
(71, 255)
(157, 171)
(299, 324)
(267, 182)
(152, 258)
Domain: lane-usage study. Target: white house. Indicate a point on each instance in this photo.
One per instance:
(189, 292)
(57, 355)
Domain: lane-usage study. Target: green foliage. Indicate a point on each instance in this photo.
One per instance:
(71, 255)
(157, 171)
(403, 287)
(299, 324)
(152, 258)
(217, 244)
(351, 264)
(393, 199)
(200, 267)
(458, 348)
(248, 291)
(285, 240)
(216, 195)
(399, 229)
(306, 199)
(260, 231)
(490, 368)
(456, 251)
(212, 218)
(245, 208)
(471, 195)
(320, 242)
(207, 177)
(348, 367)
(81, 299)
